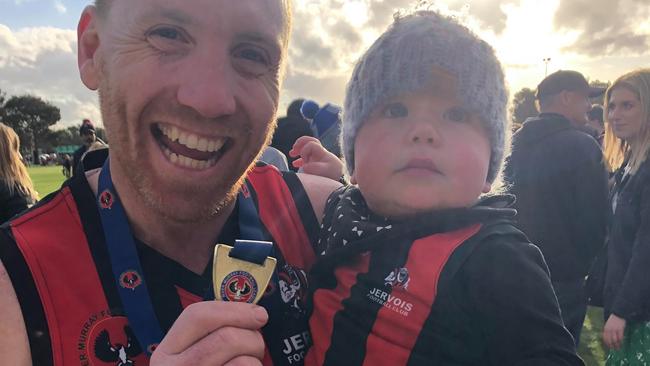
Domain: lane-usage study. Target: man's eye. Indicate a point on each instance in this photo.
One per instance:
(168, 33)
(253, 55)
(456, 114)
(168, 40)
(395, 110)
(251, 60)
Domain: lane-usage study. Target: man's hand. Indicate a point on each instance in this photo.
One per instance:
(214, 333)
(315, 159)
(614, 332)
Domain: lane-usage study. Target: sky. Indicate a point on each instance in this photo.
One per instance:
(600, 38)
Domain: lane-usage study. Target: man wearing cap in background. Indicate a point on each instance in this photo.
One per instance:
(557, 173)
(88, 137)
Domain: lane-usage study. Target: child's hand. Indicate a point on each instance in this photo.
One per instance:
(315, 159)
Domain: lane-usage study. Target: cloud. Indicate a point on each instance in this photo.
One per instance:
(323, 50)
(489, 13)
(605, 27)
(60, 8)
(42, 62)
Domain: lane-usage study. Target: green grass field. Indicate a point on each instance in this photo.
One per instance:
(48, 179)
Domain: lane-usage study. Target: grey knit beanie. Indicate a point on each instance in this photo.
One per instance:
(401, 61)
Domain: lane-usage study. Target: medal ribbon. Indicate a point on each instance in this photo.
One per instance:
(125, 263)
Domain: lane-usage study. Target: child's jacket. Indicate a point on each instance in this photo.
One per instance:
(454, 287)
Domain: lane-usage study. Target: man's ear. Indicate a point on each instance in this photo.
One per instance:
(87, 45)
(565, 97)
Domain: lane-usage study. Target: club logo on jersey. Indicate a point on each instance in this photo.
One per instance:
(108, 351)
(130, 279)
(293, 286)
(106, 200)
(392, 294)
(399, 277)
(109, 340)
(239, 286)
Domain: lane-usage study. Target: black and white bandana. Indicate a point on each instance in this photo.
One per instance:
(348, 219)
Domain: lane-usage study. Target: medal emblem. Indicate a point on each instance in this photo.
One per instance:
(239, 280)
(239, 286)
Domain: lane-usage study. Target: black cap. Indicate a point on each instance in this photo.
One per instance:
(566, 80)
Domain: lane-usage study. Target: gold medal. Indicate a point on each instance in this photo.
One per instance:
(239, 280)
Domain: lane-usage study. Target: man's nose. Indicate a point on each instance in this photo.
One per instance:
(208, 87)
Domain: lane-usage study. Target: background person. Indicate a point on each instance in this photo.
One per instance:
(627, 285)
(16, 188)
(557, 173)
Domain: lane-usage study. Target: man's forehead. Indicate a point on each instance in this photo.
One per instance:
(267, 16)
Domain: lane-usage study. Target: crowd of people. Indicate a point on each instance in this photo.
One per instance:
(406, 243)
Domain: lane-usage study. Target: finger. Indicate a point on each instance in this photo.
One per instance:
(244, 361)
(618, 338)
(298, 162)
(607, 339)
(315, 152)
(300, 143)
(224, 345)
(200, 319)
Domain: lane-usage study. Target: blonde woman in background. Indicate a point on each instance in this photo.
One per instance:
(627, 284)
(16, 188)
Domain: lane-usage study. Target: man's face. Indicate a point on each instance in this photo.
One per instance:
(88, 137)
(188, 93)
(578, 106)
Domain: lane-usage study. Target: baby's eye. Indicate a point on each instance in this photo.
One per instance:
(456, 114)
(395, 110)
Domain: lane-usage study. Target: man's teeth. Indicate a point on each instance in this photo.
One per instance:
(188, 162)
(191, 140)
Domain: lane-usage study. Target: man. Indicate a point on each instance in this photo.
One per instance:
(88, 137)
(596, 122)
(557, 173)
(188, 92)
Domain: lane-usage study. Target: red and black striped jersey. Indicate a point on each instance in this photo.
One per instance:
(58, 263)
(458, 287)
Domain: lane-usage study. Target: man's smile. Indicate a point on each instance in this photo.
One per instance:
(188, 149)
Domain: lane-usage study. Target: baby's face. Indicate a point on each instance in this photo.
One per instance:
(422, 151)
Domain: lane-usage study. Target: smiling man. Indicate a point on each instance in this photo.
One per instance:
(120, 257)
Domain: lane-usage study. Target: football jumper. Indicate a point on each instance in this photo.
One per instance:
(57, 260)
(454, 287)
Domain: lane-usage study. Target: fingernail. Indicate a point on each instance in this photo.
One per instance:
(260, 314)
